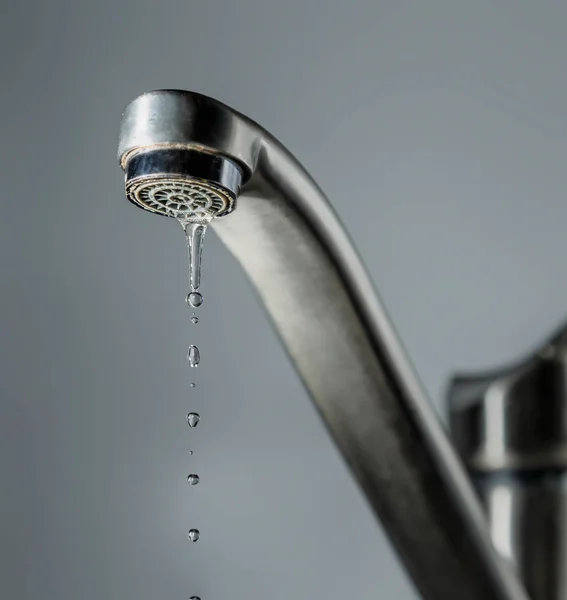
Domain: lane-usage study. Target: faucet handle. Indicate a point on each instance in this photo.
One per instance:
(514, 418)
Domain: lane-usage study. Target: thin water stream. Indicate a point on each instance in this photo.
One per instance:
(195, 235)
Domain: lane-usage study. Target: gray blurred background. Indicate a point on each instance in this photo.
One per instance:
(447, 119)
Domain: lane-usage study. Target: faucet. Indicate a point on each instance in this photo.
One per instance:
(185, 152)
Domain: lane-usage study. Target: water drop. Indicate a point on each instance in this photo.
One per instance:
(193, 356)
(194, 598)
(194, 320)
(194, 299)
(190, 452)
(193, 479)
(192, 384)
(193, 419)
(193, 535)
(195, 235)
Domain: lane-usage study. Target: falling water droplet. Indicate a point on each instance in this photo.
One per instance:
(194, 320)
(193, 356)
(193, 479)
(192, 384)
(194, 299)
(193, 419)
(194, 598)
(193, 535)
(190, 452)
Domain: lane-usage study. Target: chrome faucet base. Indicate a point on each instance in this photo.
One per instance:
(510, 428)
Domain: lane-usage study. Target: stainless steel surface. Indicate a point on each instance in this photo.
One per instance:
(510, 427)
(314, 287)
(516, 417)
(528, 517)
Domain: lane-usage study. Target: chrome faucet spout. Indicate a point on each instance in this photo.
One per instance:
(291, 244)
